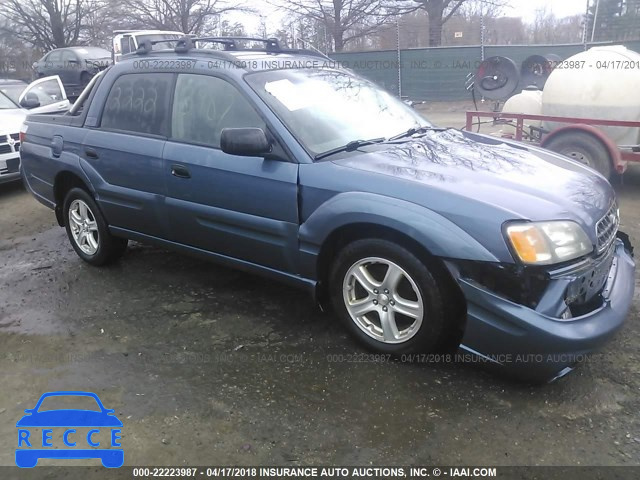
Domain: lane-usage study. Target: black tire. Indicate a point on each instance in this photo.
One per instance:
(433, 330)
(585, 148)
(109, 248)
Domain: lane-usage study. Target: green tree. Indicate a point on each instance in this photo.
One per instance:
(614, 20)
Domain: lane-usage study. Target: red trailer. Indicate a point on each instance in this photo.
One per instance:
(578, 138)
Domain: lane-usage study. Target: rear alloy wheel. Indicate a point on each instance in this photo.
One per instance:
(387, 298)
(88, 231)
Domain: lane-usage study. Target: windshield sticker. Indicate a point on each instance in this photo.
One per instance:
(289, 94)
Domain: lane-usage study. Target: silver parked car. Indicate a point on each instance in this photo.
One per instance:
(45, 95)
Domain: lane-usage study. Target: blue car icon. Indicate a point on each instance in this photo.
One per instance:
(104, 419)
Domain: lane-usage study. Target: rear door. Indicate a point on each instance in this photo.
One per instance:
(123, 155)
(242, 207)
(50, 93)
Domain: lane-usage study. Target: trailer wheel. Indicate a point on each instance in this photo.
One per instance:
(583, 147)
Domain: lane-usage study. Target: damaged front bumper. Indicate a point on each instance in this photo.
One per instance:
(545, 339)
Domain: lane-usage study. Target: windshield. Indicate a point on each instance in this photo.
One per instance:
(68, 402)
(327, 109)
(13, 91)
(6, 103)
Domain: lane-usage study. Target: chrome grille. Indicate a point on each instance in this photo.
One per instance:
(607, 228)
(9, 143)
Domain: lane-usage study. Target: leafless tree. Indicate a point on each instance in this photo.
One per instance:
(99, 23)
(188, 16)
(547, 28)
(47, 24)
(469, 20)
(413, 33)
(507, 31)
(343, 20)
(439, 12)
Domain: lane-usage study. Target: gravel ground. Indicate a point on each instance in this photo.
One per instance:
(205, 365)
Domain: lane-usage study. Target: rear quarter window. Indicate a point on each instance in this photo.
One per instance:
(140, 103)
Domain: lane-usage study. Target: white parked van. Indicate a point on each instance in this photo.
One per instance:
(127, 41)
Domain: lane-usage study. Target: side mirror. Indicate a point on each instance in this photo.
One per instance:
(246, 142)
(30, 100)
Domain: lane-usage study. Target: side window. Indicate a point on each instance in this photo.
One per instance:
(54, 56)
(203, 106)
(69, 59)
(132, 45)
(139, 102)
(124, 42)
(47, 91)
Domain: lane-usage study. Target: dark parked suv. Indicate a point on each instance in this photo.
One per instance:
(281, 163)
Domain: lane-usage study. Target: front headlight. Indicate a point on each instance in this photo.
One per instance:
(547, 243)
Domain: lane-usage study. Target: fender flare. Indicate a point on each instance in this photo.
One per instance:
(438, 235)
(72, 166)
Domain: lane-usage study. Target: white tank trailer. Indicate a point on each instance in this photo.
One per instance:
(604, 85)
(601, 83)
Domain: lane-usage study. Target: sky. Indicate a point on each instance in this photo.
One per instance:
(561, 8)
(524, 8)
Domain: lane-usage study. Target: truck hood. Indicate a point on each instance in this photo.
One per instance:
(519, 181)
(11, 120)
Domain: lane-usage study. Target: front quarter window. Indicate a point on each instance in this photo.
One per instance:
(325, 109)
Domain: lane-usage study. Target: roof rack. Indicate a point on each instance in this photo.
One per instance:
(188, 42)
(230, 43)
(147, 45)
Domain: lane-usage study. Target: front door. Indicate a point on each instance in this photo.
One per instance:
(242, 207)
(50, 95)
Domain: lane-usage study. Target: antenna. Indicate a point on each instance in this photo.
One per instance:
(308, 45)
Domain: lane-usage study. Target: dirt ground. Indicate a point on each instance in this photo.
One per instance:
(209, 366)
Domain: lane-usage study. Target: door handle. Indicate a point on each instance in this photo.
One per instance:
(91, 153)
(180, 171)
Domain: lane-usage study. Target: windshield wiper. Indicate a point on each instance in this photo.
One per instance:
(350, 147)
(417, 129)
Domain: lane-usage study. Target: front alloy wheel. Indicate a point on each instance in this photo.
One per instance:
(383, 300)
(387, 298)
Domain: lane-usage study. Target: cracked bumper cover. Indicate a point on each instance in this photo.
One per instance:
(537, 345)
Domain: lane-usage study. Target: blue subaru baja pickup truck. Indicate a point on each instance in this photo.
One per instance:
(278, 162)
